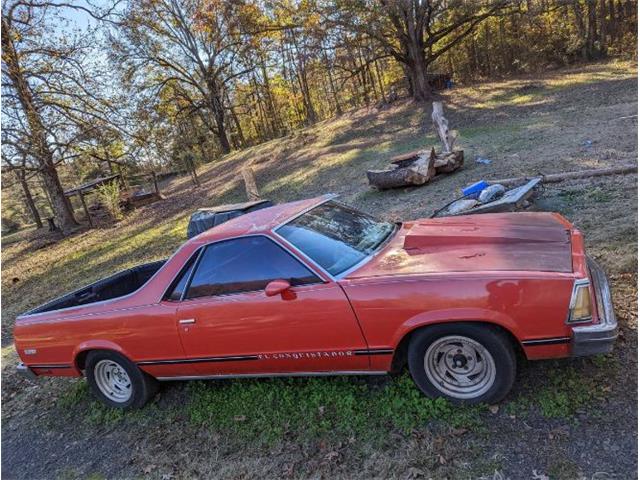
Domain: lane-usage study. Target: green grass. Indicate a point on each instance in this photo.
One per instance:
(567, 389)
(269, 410)
(567, 392)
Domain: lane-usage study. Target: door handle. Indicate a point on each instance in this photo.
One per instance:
(187, 321)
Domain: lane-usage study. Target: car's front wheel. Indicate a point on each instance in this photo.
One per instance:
(463, 362)
(117, 381)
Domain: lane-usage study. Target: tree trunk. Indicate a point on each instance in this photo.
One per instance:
(28, 198)
(42, 153)
(417, 70)
(301, 67)
(416, 168)
(332, 85)
(274, 114)
(219, 117)
(591, 29)
(602, 15)
(236, 122)
(380, 83)
(580, 26)
(612, 22)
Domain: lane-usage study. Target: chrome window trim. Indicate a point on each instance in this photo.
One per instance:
(28, 314)
(200, 252)
(325, 199)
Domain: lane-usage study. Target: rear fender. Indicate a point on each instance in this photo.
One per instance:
(455, 315)
(96, 345)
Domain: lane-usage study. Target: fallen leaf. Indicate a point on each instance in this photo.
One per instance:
(240, 418)
(414, 472)
(539, 476)
(331, 456)
(494, 409)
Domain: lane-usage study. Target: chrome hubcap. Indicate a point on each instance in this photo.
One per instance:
(113, 380)
(459, 367)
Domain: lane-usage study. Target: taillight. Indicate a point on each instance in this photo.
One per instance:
(580, 306)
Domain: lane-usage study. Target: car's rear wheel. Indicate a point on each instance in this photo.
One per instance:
(117, 381)
(463, 362)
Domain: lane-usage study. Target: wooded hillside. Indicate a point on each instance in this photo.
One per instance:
(165, 85)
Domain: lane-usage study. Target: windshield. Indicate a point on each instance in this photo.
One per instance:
(336, 237)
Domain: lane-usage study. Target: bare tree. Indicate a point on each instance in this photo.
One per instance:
(48, 84)
(415, 32)
(187, 47)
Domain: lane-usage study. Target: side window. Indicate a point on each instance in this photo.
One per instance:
(180, 282)
(244, 265)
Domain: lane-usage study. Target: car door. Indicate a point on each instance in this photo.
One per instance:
(228, 325)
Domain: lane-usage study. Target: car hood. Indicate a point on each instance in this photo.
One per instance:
(489, 242)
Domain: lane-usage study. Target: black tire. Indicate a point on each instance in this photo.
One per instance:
(495, 343)
(143, 386)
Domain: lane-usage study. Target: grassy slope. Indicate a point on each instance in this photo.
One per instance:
(524, 126)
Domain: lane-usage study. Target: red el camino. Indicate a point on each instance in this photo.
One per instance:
(317, 288)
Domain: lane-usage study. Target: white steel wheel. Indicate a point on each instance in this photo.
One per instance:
(113, 381)
(459, 367)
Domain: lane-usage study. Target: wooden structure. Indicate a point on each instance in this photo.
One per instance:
(512, 200)
(130, 198)
(250, 185)
(85, 188)
(419, 167)
(136, 196)
(439, 81)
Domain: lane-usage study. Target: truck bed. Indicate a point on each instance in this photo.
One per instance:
(117, 285)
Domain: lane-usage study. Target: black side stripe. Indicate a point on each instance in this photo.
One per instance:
(374, 351)
(236, 358)
(49, 366)
(546, 341)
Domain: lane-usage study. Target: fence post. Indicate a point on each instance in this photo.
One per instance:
(250, 184)
(86, 210)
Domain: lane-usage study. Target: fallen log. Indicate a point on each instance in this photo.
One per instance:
(448, 162)
(559, 177)
(443, 162)
(420, 166)
(415, 169)
(441, 125)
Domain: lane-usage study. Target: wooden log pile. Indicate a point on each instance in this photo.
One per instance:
(419, 167)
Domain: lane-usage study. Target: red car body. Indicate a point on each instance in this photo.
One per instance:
(516, 271)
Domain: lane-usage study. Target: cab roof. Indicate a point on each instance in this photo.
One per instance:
(259, 221)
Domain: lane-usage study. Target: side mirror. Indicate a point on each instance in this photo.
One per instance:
(276, 287)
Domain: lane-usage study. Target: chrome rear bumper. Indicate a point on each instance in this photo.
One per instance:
(25, 371)
(599, 338)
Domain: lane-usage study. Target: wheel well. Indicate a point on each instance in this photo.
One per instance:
(81, 357)
(400, 354)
